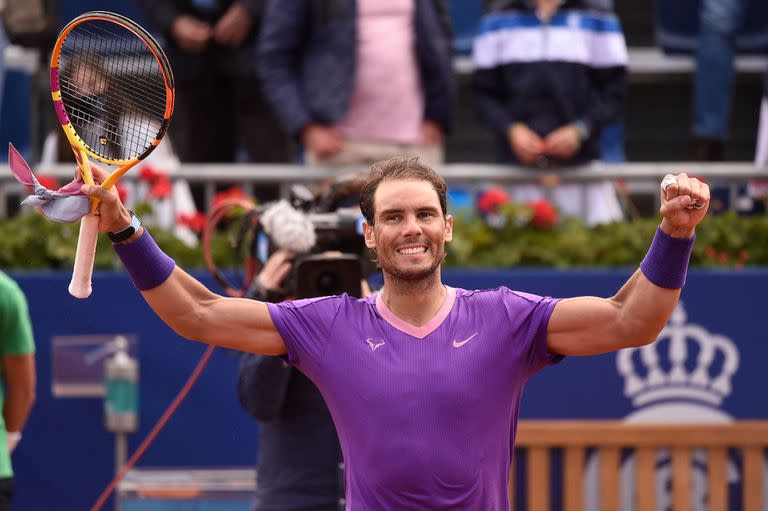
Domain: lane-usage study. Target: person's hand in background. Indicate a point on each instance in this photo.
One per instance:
(271, 276)
(526, 144)
(190, 33)
(431, 133)
(233, 27)
(563, 142)
(322, 141)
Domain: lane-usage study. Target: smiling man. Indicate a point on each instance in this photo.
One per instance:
(423, 380)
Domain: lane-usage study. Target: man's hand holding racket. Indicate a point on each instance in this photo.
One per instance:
(684, 203)
(113, 215)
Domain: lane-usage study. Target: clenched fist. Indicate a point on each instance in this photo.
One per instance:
(684, 203)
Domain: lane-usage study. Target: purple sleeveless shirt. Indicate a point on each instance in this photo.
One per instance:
(426, 416)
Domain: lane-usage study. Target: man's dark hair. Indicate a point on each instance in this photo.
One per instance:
(400, 167)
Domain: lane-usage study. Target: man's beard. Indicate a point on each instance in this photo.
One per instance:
(415, 275)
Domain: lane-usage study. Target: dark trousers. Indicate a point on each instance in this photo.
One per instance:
(222, 119)
(6, 493)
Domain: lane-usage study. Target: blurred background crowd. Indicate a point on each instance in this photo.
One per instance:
(542, 84)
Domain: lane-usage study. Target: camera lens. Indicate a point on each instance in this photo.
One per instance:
(327, 283)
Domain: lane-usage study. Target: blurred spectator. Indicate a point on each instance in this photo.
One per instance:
(17, 353)
(220, 114)
(761, 155)
(756, 197)
(360, 81)
(549, 76)
(719, 21)
(3, 43)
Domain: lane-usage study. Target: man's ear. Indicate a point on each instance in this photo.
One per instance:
(448, 228)
(370, 240)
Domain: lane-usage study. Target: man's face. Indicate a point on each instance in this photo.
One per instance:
(409, 232)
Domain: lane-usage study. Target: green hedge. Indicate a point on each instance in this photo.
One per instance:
(30, 241)
(727, 240)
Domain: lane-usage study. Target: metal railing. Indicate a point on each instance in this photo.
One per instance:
(639, 177)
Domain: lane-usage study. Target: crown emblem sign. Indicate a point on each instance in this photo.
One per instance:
(685, 363)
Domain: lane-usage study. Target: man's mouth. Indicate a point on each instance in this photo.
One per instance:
(411, 250)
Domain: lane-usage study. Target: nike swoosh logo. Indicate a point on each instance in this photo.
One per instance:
(457, 344)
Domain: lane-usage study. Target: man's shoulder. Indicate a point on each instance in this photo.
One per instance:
(333, 301)
(9, 289)
(498, 295)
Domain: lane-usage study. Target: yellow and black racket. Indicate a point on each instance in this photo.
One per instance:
(113, 92)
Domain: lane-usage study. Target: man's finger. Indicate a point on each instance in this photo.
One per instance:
(669, 187)
(96, 192)
(679, 203)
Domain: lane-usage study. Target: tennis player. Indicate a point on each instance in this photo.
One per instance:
(423, 380)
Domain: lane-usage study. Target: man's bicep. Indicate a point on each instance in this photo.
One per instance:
(586, 325)
(244, 325)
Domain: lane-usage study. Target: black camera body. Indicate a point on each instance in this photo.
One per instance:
(338, 261)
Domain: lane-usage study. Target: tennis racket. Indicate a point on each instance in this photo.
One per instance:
(113, 91)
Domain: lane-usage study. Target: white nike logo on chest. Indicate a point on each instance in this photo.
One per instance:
(459, 344)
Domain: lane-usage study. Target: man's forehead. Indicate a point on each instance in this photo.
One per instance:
(406, 193)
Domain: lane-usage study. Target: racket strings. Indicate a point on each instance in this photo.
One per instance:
(126, 55)
(112, 88)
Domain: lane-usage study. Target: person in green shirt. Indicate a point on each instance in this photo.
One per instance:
(17, 370)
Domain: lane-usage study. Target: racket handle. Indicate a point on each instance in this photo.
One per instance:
(80, 286)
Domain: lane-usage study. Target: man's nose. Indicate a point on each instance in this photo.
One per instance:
(412, 225)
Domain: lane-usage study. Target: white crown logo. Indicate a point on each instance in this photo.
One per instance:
(678, 376)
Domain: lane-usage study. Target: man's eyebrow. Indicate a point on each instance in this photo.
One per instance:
(389, 211)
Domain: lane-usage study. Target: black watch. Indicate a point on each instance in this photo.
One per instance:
(120, 236)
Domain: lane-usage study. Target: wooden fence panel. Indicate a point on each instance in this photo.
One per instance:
(573, 482)
(645, 479)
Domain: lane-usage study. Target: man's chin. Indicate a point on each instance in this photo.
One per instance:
(412, 274)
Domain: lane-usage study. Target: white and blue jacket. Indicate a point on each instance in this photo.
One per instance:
(549, 74)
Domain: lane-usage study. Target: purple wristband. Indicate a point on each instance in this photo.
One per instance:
(666, 262)
(147, 265)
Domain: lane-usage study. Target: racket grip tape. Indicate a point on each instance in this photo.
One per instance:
(80, 286)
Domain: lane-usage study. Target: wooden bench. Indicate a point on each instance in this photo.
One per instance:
(538, 439)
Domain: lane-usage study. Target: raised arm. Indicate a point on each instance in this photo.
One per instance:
(187, 306)
(195, 312)
(638, 312)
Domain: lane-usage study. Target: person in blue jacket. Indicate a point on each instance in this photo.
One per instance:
(359, 81)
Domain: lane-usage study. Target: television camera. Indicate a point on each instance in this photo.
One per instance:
(325, 233)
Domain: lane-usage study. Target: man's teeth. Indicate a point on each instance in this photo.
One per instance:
(414, 250)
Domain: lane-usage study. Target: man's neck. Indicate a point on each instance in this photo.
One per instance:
(415, 302)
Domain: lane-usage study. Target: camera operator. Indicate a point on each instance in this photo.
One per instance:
(299, 454)
(299, 462)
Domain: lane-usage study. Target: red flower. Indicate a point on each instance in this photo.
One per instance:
(230, 193)
(122, 192)
(195, 221)
(150, 174)
(161, 188)
(544, 214)
(491, 200)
